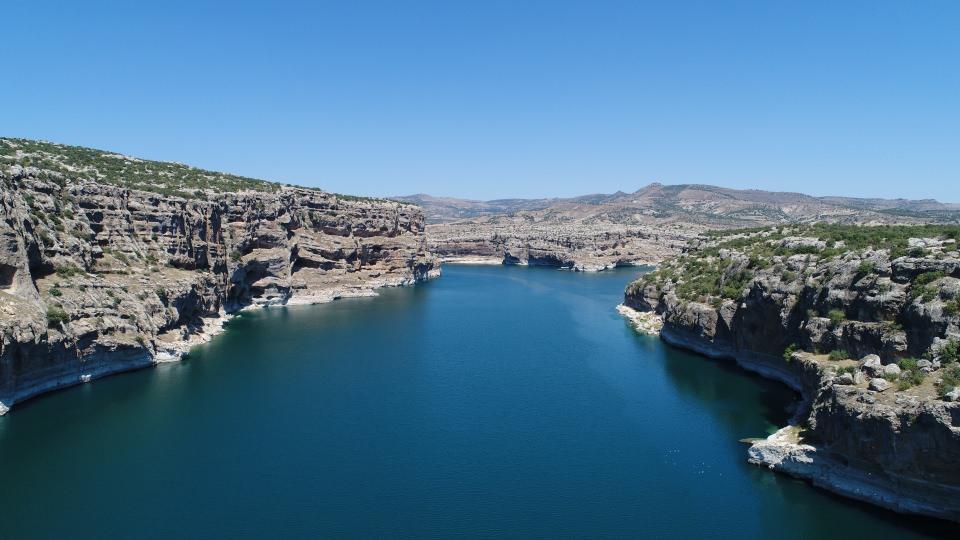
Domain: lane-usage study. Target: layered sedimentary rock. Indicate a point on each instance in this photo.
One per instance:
(574, 246)
(867, 333)
(96, 278)
(595, 232)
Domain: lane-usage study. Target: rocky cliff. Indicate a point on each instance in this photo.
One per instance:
(574, 246)
(599, 231)
(863, 321)
(109, 263)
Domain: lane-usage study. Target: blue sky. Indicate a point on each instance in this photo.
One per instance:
(503, 99)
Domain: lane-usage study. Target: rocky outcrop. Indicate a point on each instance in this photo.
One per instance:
(596, 232)
(96, 278)
(801, 307)
(575, 246)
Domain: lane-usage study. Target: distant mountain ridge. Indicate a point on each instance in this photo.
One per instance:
(701, 204)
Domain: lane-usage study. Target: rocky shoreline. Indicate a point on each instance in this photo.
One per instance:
(884, 428)
(575, 246)
(787, 451)
(97, 278)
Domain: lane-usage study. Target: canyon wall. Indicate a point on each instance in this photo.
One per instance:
(869, 337)
(97, 278)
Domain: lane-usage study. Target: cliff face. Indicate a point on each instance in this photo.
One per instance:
(865, 328)
(595, 232)
(576, 246)
(96, 278)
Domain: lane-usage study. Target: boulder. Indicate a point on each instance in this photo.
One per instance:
(953, 395)
(844, 378)
(891, 370)
(879, 385)
(871, 364)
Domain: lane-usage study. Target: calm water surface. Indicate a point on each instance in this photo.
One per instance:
(495, 401)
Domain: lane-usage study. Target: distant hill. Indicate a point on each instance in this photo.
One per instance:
(709, 206)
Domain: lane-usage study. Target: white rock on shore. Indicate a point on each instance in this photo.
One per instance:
(645, 322)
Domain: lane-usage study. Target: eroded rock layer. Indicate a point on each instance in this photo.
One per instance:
(97, 278)
(864, 322)
(574, 246)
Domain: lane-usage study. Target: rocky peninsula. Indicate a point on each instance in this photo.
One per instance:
(110, 263)
(863, 322)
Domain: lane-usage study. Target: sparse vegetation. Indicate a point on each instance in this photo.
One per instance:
(950, 351)
(836, 316)
(838, 354)
(68, 270)
(949, 380)
(56, 316)
(836, 238)
(912, 375)
(847, 369)
(165, 178)
(891, 377)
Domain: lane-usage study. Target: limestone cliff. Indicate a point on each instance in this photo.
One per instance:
(103, 270)
(863, 321)
(599, 231)
(573, 246)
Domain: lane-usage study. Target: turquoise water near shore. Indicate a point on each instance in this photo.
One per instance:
(494, 401)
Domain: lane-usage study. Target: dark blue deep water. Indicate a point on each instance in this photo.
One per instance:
(494, 401)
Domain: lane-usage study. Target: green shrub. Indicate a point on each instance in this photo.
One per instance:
(914, 378)
(908, 364)
(866, 267)
(836, 316)
(56, 316)
(68, 270)
(758, 262)
(927, 278)
(55, 291)
(950, 351)
(788, 352)
(949, 380)
(839, 354)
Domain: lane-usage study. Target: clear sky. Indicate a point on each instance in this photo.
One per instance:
(491, 98)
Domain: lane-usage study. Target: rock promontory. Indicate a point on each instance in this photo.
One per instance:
(864, 322)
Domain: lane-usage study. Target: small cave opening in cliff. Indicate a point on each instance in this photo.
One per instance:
(302, 263)
(7, 275)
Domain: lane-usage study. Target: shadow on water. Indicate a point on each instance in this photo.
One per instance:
(718, 384)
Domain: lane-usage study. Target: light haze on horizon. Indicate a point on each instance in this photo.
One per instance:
(503, 99)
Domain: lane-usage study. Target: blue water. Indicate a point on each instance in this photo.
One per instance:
(494, 401)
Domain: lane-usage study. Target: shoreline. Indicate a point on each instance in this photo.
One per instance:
(786, 452)
(503, 261)
(161, 349)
